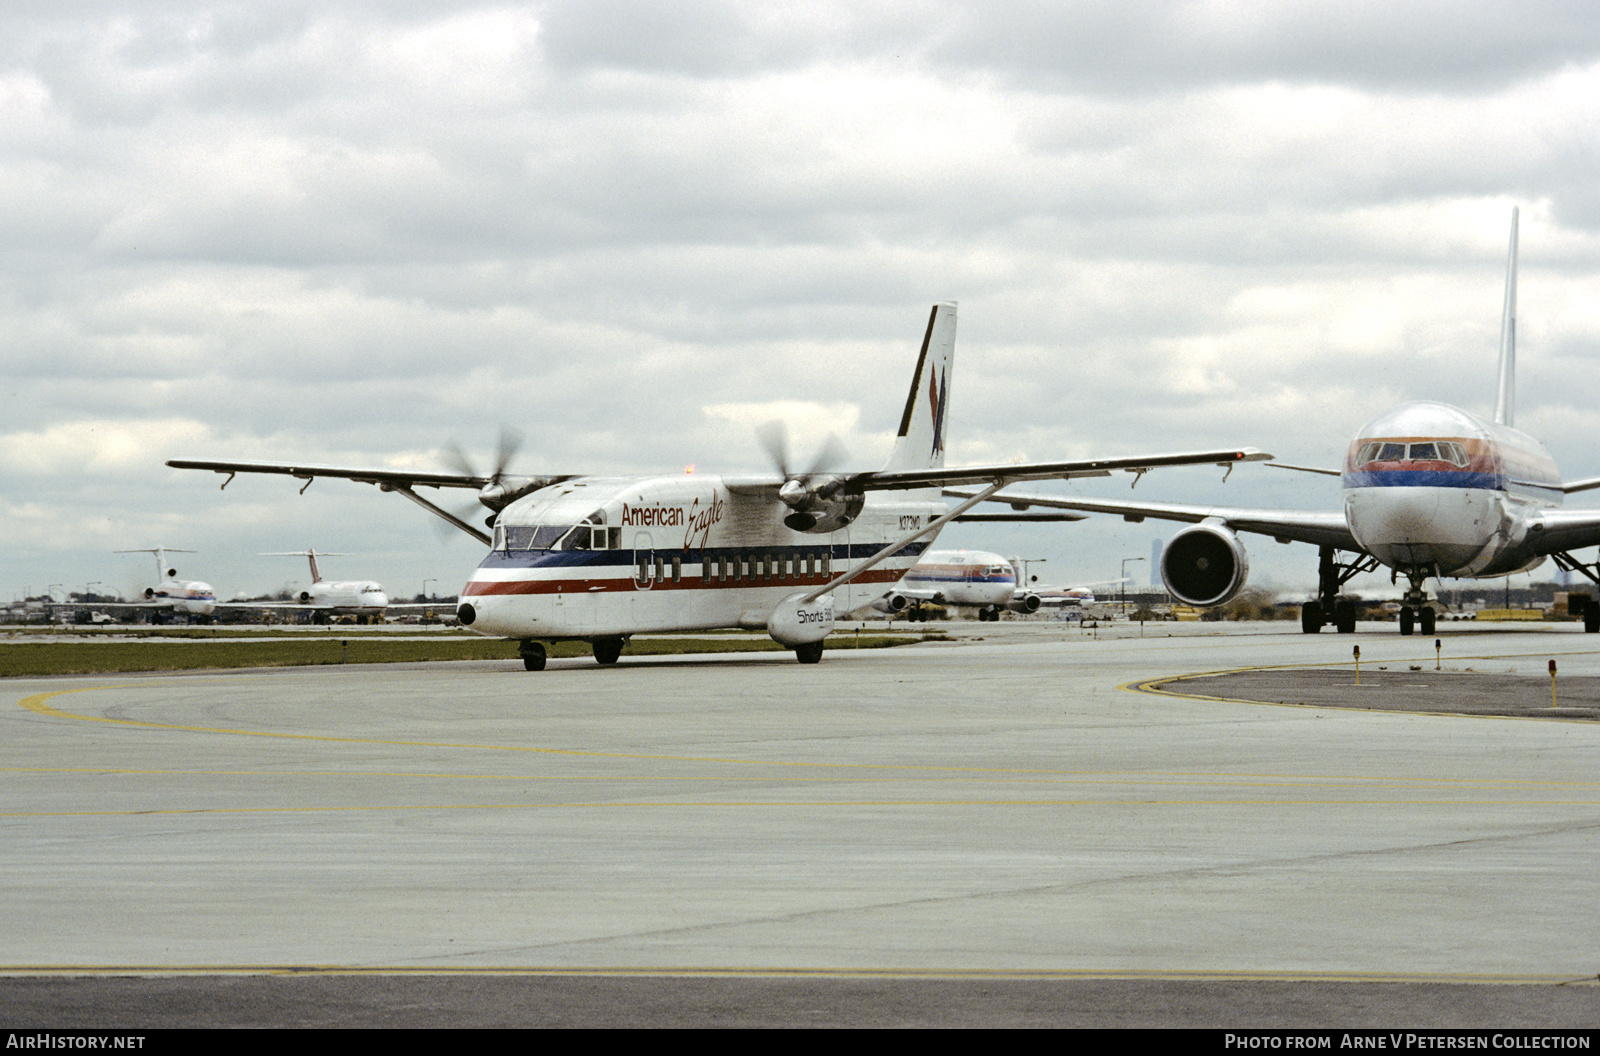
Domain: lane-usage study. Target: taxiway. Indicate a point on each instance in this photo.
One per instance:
(1002, 807)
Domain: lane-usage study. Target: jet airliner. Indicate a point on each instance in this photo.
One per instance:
(959, 577)
(599, 559)
(1430, 490)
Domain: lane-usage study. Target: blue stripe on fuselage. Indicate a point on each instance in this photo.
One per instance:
(1424, 478)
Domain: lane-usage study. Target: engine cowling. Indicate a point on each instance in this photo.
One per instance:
(305, 597)
(1024, 602)
(819, 510)
(891, 603)
(1204, 565)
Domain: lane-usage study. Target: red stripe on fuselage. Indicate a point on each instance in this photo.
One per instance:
(485, 588)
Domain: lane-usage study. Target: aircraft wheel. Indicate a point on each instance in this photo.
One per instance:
(1408, 620)
(606, 650)
(533, 656)
(1426, 620)
(809, 653)
(1345, 617)
(1310, 618)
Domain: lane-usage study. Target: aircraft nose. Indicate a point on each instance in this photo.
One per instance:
(1394, 516)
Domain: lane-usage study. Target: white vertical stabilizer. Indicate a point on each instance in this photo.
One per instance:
(922, 426)
(1505, 400)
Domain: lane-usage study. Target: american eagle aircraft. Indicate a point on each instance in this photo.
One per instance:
(1430, 490)
(599, 559)
(959, 577)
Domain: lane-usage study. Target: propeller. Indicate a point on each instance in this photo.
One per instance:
(810, 493)
(494, 494)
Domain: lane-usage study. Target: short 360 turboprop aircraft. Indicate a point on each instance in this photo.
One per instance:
(599, 559)
(1429, 490)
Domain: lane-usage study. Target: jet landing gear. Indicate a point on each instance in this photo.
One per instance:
(606, 650)
(1415, 612)
(810, 653)
(1332, 575)
(532, 653)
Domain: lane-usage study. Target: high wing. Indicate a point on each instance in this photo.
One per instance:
(944, 477)
(494, 491)
(1301, 526)
(1011, 472)
(308, 471)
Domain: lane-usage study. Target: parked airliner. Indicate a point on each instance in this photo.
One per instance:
(600, 559)
(959, 577)
(1430, 490)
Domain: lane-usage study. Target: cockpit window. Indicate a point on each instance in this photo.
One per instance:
(534, 536)
(1423, 451)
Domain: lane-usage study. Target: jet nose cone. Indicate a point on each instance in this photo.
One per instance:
(380, 600)
(1394, 516)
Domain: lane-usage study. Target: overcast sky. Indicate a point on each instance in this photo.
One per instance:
(348, 232)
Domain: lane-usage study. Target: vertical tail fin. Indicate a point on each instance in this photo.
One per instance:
(920, 443)
(1505, 400)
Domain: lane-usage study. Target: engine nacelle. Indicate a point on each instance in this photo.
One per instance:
(816, 514)
(1204, 565)
(305, 597)
(149, 592)
(1024, 602)
(891, 603)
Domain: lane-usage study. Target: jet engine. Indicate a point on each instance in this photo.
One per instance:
(1025, 603)
(891, 603)
(1204, 565)
(305, 597)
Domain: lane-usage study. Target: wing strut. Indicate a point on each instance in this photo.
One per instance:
(405, 489)
(894, 547)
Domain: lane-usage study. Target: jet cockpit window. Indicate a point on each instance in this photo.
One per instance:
(1423, 451)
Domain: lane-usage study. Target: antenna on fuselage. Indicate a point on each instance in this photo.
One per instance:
(1505, 401)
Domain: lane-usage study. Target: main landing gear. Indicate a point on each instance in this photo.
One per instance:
(809, 653)
(1329, 607)
(606, 651)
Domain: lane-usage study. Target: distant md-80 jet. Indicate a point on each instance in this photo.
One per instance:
(599, 559)
(1430, 490)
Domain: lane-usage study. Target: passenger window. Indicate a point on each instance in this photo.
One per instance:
(677, 569)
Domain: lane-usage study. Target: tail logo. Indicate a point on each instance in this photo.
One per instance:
(937, 399)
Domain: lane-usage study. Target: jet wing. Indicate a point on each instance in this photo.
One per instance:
(1554, 531)
(1300, 526)
(1097, 467)
(310, 471)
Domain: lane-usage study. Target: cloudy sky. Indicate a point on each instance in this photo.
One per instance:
(349, 232)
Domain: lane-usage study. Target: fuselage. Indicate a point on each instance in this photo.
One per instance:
(1431, 488)
(190, 596)
(962, 577)
(361, 597)
(597, 557)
